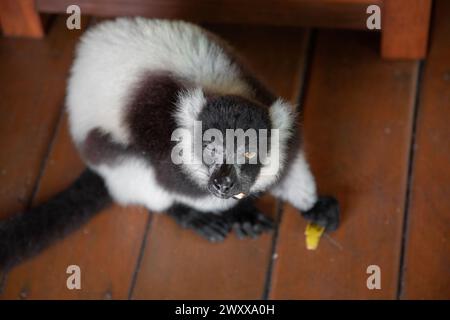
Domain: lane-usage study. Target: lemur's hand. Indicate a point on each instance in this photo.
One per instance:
(325, 213)
(248, 221)
(210, 226)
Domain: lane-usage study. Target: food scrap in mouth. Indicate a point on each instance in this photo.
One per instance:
(239, 196)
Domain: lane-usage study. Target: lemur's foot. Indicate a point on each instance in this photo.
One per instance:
(248, 221)
(325, 213)
(210, 226)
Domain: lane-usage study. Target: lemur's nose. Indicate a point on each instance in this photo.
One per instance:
(223, 184)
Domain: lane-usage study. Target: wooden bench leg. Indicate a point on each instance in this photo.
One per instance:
(20, 18)
(405, 28)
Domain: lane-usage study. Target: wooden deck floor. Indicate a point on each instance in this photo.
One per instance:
(377, 137)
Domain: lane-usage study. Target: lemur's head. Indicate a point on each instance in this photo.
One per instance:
(236, 146)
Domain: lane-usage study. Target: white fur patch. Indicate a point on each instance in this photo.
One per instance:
(190, 104)
(282, 117)
(134, 182)
(298, 186)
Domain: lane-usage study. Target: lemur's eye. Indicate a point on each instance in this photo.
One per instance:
(250, 155)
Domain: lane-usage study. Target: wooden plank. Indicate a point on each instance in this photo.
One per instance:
(327, 13)
(405, 29)
(32, 74)
(427, 259)
(179, 264)
(20, 18)
(106, 249)
(357, 128)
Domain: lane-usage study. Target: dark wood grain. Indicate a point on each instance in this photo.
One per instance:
(20, 18)
(329, 13)
(32, 85)
(405, 28)
(179, 264)
(357, 126)
(427, 260)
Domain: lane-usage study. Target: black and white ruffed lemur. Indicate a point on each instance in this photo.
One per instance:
(132, 84)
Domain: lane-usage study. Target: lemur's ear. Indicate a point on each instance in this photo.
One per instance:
(282, 115)
(190, 104)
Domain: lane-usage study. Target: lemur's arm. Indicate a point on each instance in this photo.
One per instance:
(298, 187)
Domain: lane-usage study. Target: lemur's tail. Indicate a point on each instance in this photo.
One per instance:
(25, 234)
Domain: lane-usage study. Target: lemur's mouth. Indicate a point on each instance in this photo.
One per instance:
(239, 196)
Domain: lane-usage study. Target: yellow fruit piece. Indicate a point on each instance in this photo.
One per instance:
(313, 233)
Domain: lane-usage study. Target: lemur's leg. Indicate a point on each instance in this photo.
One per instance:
(209, 225)
(246, 220)
(299, 188)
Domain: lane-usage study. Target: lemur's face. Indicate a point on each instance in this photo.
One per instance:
(236, 135)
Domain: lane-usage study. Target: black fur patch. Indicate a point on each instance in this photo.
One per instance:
(150, 113)
(99, 147)
(261, 93)
(233, 112)
(151, 121)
